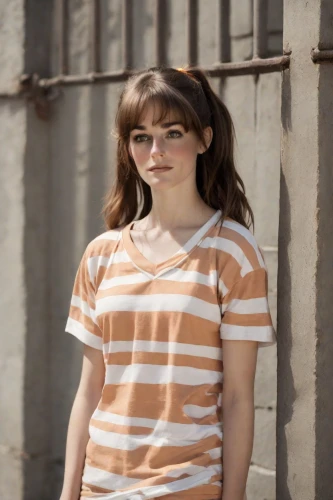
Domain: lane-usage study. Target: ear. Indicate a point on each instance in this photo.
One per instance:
(208, 135)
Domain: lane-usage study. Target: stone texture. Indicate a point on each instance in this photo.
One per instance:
(261, 484)
(264, 442)
(111, 32)
(79, 14)
(207, 27)
(241, 19)
(305, 351)
(239, 96)
(267, 159)
(11, 54)
(13, 302)
(176, 41)
(143, 34)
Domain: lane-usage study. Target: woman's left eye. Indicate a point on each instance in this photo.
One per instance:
(174, 134)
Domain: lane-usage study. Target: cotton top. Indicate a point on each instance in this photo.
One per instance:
(157, 430)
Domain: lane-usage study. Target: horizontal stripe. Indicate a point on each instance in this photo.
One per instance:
(77, 315)
(160, 326)
(163, 359)
(162, 288)
(131, 279)
(165, 302)
(105, 479)
(155, 374)
(92, 475)
(77, 301)
(196, 411)
(248, 306)
(127, 430)
(260, 319)
(183, 276)
(164, 347)
(260, 334)
(161, 401)
(159, 427)
(174, 275)
(76, 329)
(95, 262)
(119, 456)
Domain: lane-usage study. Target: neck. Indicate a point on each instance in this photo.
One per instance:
(169, 212)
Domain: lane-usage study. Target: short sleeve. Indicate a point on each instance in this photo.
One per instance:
(81, 321)
(245, 310)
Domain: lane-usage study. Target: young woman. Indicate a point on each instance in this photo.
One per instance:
(171, 304)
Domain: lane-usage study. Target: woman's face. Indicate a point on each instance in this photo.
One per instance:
(165, 154)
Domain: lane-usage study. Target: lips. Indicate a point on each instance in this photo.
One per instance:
(159, 167)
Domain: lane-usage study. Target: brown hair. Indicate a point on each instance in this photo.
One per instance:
(189, 94)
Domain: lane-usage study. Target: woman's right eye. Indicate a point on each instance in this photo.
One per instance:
(141, 138)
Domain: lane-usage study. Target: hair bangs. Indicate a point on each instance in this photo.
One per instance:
(167, 102)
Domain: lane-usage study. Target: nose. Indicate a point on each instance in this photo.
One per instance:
(157, 149)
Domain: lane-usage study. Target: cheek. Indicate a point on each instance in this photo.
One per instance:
(139, 153)
(185, 151)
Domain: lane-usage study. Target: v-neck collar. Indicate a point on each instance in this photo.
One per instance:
(155, 270)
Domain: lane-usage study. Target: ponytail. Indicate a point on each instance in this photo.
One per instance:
(222, 185)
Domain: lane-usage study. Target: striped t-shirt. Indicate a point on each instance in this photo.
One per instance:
(157, 430)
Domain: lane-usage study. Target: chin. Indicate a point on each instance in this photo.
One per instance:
(160, 185)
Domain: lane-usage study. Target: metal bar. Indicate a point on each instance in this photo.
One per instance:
(254, 66)
(260, 33)
(95, 39)
(160, 31)
(322, 56)
(62, 36)
(223, 31)
(127, 33)
(192, 32)
(64, 80)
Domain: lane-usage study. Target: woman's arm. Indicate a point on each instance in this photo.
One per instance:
(239, 366)
(86, 400)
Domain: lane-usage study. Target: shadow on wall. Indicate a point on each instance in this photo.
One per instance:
(286, 393)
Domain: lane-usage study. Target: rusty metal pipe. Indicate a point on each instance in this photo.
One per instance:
(252, 67)
(322, 56)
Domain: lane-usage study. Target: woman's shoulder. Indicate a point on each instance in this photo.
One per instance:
(104, 242)
(239, 243)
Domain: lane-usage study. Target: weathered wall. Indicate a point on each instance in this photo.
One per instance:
(53, 176)
(305, 350)
(24, 350)
(82, 153)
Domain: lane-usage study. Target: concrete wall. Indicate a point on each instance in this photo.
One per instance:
(55, 174)
(24, 163)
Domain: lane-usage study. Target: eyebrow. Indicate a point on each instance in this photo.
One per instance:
(163, 125)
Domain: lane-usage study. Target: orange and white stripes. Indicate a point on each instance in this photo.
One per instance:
(157, 430)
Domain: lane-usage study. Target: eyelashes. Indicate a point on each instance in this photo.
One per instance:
(172, 134)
